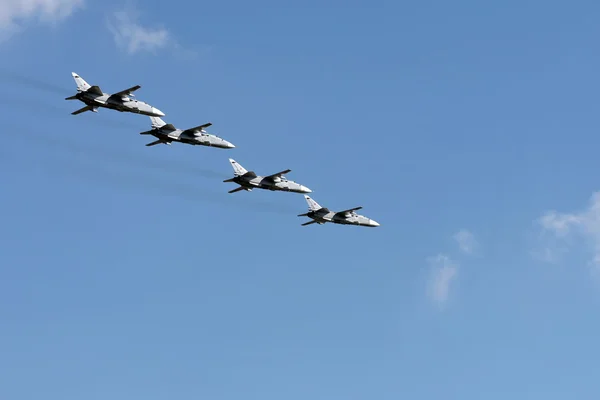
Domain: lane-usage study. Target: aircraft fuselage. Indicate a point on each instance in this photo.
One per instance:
(260, 182)
(204, 139)
(330, 216)
(129, 105)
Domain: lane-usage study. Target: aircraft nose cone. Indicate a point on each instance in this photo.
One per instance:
(158, 112)
(304, 189)
(228, 145)
(374, 223)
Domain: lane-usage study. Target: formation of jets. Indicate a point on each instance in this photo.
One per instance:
(93, 98)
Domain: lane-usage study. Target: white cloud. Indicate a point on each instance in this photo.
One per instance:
(466, 241)
(443, 272)
(583, 224)
(130, 36)
(14, 12)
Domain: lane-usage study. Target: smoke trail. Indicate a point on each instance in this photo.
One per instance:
(119, 156)
(151, 182)
(112, 154)
(80, 168)
(159, 186)
(33, 83)
(36, 106)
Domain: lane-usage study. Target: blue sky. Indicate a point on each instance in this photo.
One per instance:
(467, 129)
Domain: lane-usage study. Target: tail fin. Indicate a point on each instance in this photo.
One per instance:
(157, 122)
(237, 168)
(312, 205)
(82, 85)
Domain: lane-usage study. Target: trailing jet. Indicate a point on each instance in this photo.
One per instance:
(167, 133)
(321, 215)
(122, 101)
(248, 180)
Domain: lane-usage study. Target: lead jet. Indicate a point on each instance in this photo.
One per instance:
(248, 180)
(321, 215)
(122, 101)
(167, 133)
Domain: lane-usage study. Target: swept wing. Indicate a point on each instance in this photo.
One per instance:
(278, 174)
(348, 211)
(95, 90)
(198, 128)
(126, 92)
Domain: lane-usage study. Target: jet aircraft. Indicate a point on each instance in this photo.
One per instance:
(248, 180)
(121, 101)
(321, 215)
(167, 133)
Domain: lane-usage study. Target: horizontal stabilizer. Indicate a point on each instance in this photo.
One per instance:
(236, 189)
(309, 222)
(157, 142)
(71, 98)
(84, 109)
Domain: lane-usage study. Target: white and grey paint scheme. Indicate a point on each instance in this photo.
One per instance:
(321, 215)
(122, 101)
(167, 133)
(248, 180)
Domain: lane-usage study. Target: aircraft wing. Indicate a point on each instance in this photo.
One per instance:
(126, 92)
(168, 127)
(278, 174)
(348, 210)
(95, 90)
(198, 128)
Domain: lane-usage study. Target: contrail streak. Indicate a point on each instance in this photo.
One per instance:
(113, 154)
(148, 182)
(182, 191)
(33, 83)
(37, 106)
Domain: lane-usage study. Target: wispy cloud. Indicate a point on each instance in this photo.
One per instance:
(443, 272)
(132, 37)
(15, 13)
(466, 241)
(558, 230)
